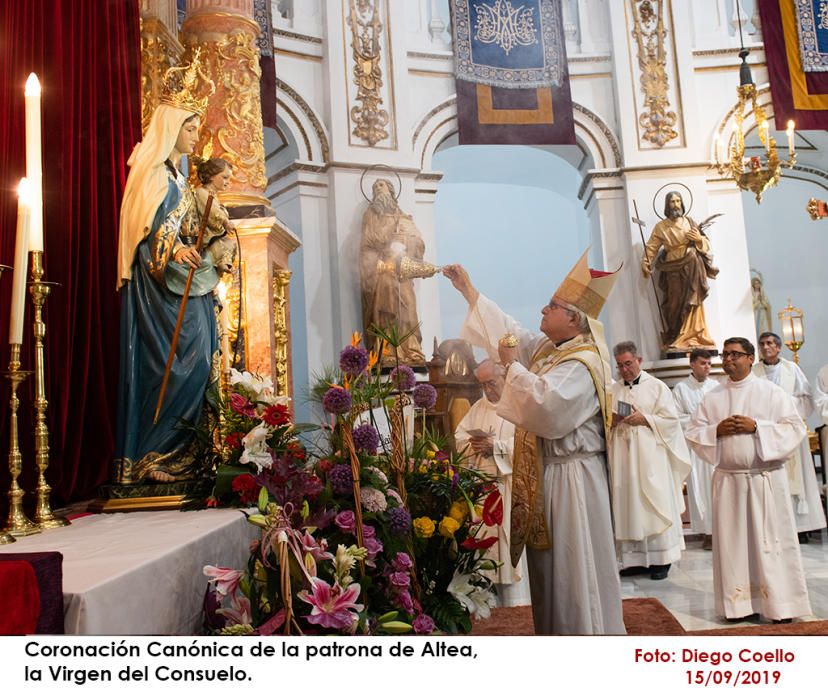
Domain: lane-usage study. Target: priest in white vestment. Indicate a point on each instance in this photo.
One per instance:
(747, 428)
(490, 441)
(688, 394)
(649, 462)
(787, 375)
(556, 395)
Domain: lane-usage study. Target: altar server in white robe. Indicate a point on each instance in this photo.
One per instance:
(688, 394)
(821, 395)
(556, 395)
(747, 428)
(802, 479)
(649, 462)
(490, 445)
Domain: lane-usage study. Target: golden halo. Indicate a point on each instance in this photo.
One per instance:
(687, 209)
(379, 166)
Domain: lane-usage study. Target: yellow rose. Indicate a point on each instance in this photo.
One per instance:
(423, 469)
(448, 526)
(459, 510)
(430, 454)
(423, 527)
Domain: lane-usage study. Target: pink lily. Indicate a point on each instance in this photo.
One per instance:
(226, 580)
(240, 613)
(331, 606)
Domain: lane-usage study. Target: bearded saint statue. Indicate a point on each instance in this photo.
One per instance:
(388, 234)
(680, 251)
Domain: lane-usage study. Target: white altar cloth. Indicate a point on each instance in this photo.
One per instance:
(141, 573)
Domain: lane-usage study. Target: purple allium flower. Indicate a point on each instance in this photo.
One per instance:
(342, 479)
(400, 579)
(337, 400)
(402, 562)
(423, 624)
(353, 360)
(425, 396)
(366, 438)
(399, 521)
(403, 378)
(346, 520)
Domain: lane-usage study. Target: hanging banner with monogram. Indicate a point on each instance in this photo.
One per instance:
(812, 25)
(793, 50)
(511, 72)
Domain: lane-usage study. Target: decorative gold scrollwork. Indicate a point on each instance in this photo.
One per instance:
(160, 51)
(281, 335)
(235, 129)
(649, 33)
(366, 29)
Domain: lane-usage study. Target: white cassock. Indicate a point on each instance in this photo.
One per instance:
(757, 566)
(802, 479)
(512, 582)
(649, 464)
(821, 395)
(688, 394)
(575, 585)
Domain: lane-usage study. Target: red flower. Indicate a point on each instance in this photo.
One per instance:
(325, 465)
(234, 440)
(493, 509)
(296, 451)
(247, 488)
(276, 415)
(471, 543)
(211, 502)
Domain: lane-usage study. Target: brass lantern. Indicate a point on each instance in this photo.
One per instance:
(793, 329)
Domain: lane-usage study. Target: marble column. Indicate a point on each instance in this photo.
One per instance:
(226, 33)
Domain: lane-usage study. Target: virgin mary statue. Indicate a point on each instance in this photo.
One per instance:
(156, 250)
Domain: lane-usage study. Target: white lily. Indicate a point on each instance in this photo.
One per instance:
(255, 447)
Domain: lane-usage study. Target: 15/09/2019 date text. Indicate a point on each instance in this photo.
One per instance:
(740, 677)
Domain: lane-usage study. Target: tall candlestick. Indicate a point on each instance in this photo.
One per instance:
(790, 132)
(34, 162)
(21, 254)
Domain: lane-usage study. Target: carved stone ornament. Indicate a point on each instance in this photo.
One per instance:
(366, 29)
(649, 33)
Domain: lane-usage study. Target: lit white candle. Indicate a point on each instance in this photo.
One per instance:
(790, 132)
(34, 162)
(21, 255)
(223, 322)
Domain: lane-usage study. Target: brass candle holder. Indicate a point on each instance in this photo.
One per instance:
(5, 537)
(17, 524)
(39, 291)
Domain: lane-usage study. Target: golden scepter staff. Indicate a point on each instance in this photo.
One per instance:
(181, 310)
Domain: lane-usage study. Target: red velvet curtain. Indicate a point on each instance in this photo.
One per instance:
(87, 55)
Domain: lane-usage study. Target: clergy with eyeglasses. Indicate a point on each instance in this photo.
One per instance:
(747, 428)
(649, 462)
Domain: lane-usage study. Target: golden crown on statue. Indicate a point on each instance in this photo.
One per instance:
(180, 86)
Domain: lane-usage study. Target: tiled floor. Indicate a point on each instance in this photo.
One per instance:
(688, 590)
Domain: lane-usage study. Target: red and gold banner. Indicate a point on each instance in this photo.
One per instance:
(796, 94)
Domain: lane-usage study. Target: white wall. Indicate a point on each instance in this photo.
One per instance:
(511, 216)
(788, 248)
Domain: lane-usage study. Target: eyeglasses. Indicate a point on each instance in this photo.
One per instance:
(735, 354)
(626, 365)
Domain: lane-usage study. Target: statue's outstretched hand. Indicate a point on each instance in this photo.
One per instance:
(458, 276)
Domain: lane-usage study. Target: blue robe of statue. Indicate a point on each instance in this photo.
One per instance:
(150, 302)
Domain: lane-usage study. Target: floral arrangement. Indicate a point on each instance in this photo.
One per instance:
(369, 536)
